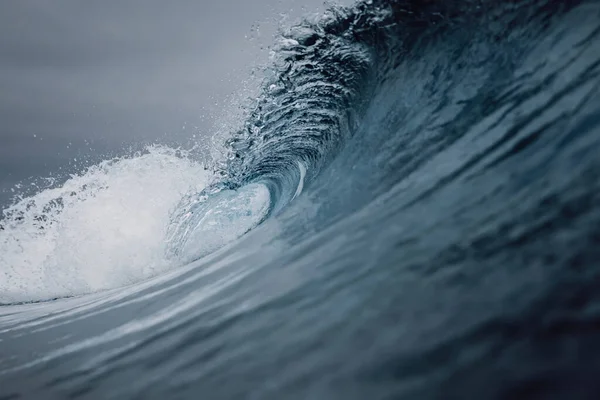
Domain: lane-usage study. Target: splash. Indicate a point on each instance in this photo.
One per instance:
(101, 229)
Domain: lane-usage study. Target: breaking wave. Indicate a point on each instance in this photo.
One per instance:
(410, 209)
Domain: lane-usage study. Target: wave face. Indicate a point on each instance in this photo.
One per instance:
(410, 210)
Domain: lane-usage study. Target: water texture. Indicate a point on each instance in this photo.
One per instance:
(411, 210)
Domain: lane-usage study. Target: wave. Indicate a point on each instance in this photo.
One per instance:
(324, 77)
(413, 194)
(322, 80)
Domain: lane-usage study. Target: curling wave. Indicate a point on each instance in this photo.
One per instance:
(410, 210)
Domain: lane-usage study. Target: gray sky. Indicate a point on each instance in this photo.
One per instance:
(80, 78)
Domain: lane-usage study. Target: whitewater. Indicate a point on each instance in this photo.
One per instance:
(101, 229)
(408, 209)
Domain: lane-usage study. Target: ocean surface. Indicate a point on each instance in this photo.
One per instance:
(410, 209)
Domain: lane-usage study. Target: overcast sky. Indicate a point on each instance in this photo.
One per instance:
(80, 77)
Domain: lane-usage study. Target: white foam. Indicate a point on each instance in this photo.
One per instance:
(102, 229)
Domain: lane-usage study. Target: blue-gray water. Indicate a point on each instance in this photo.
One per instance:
(431, 230)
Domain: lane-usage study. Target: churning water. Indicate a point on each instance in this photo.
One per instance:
(411, 209)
